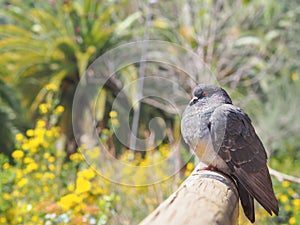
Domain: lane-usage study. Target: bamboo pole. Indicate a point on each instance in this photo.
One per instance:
(205, 197)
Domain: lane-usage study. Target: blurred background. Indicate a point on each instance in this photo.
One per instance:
(251, 46)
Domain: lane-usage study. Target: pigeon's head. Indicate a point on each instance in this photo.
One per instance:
(208, 93)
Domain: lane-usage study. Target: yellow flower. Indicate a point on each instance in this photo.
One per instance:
(189, 166)
(296, 203)
(18, 154)
(19, 174)
(46, 144)
(43, 108)
(105, 131)
(291, 192)
(93, 153)
(292, 220)
(28, 160)
(82, 185)
(55, 131)
(294, 76)
(34, 219)
(49, 133)
(40, 133)
(25, 146)
(33, 142)
(19, 137)
(44, 167)
(87, 174)
(144, 163)
(187, 173)
(71, 187)
(40, 123)
(30, 133)
(45, 188)
(51, 87)
(33, 150)
(49, 176)
(115, 122)
(165, 150)
(6, 166)
(16, 193)
(285, 183)
(76, 157)
(6, 196)
(97, 190)
(51, 159)
(3, 220)
(287, 207)
(69, 201)
(113, 114)
(51, 167)
(284, 198)
(22, 182)
(38, 175)
(31, 167)
(59, 109)
(46, 155)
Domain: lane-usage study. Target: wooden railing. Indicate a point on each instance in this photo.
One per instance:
(205, 197)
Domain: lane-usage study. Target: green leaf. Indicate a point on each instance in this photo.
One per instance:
(124, 25)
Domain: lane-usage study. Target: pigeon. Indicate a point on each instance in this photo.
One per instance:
(222, 136)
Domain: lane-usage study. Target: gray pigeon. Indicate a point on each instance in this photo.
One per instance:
(223, 137)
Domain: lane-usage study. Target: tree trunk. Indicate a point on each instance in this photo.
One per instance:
(206, 197)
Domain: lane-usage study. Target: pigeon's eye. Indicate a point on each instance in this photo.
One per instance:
(199, 94)
(204, 93)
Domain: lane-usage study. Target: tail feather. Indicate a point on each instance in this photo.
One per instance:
(247, 202)
(259, 186)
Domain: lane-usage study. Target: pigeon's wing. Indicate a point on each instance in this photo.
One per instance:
(234, 138)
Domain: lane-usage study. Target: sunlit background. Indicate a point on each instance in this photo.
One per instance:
(251, 46)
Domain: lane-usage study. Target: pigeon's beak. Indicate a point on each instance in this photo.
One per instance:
(193, 101)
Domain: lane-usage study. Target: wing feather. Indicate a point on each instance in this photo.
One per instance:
(237, 143)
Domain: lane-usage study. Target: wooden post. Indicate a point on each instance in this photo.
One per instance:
(205, 197)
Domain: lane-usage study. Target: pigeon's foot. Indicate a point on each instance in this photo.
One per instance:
(210, 167)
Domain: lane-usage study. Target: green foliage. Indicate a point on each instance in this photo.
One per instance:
(11, 117)
(279, 122)
(53, 43)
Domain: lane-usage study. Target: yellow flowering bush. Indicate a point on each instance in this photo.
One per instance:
(289, 201)
(41, 187)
